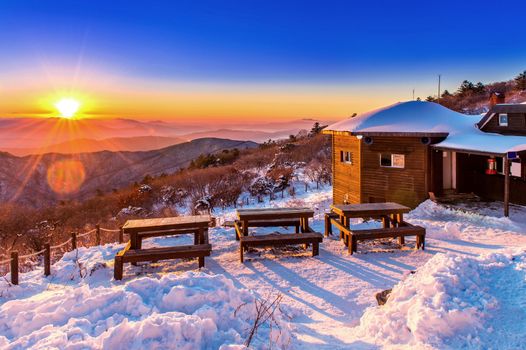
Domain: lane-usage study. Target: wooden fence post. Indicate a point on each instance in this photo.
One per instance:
(14, 268)
(73, 240)
(47, 259)
(121, 235)
(97, 234)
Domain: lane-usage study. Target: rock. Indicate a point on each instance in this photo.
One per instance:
(382, 297)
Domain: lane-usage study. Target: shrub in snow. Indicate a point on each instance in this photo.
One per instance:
(145, 188)
(203, 204)
(281, 183)
(133, 212)
(261, 186)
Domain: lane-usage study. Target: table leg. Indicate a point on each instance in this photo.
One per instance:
(133, 244)
(386, 221)
(201, 235)
(303, 222)
(133, 241)
(245, 227)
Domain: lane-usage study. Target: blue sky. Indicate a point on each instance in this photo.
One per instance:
(370, 45)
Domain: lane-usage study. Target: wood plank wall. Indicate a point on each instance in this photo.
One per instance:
(408, 186)
(516, 125)
(346, 177)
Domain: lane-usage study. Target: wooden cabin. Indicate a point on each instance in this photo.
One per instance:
(403, 152)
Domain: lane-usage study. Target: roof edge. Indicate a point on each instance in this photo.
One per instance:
(378, 133)
(470, 151)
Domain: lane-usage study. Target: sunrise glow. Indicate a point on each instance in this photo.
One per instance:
(67, 107)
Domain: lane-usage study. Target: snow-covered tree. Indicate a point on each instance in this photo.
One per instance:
(520, 81)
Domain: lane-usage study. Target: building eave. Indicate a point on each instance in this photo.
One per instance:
(382, 133)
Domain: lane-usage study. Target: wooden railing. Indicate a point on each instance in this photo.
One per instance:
(14, 260)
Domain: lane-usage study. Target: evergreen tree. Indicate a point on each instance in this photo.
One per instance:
(430, 99)
(316, 129)
(520, 81)
(446, 93)
(479, 88)
(466, 88)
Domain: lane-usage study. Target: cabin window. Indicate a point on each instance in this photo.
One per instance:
(503, 120)
(389, 160)
(346, 157)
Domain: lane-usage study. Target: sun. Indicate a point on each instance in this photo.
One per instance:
(67, 107)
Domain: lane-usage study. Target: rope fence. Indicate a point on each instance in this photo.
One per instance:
(15, 258)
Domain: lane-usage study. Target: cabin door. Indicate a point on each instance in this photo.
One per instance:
(449, 168)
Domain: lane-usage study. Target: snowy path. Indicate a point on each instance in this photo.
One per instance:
(325, 296)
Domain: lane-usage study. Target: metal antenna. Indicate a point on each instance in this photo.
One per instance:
(438, 97)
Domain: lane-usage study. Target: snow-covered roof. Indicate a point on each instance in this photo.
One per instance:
(479, 141)
(421, 117)
(408, 117)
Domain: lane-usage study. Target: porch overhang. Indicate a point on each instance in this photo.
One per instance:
(468, 151)
(383, 133)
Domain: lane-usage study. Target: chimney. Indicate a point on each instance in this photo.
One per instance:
(496, 97)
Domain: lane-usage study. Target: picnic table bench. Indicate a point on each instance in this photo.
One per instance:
(276, 217)
(391, 215)
(145, 228)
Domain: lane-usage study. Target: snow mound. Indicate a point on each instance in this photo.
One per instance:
(454, 302)
(84, 308)
(430, 210)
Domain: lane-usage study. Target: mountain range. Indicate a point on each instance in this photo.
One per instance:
(24, 136)
(33, 180)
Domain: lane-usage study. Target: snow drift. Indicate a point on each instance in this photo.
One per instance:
(454, 302)
(86, 309)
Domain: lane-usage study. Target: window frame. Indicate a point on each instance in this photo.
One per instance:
(346, 157)
(392, 162)
(501, 123)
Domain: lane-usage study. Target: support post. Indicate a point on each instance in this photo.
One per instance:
(97, 234)
(506, 187)
(121, 235)
(47, 259)
(118, 268)
(14, 268)
(73, 240)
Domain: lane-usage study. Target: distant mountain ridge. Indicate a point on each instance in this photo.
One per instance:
(40, 133)
(115, 144)
(26, 179)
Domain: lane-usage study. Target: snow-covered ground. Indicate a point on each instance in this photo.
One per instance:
(466, 290)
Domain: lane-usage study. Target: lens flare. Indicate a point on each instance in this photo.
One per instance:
(67, 107)
(66, 176)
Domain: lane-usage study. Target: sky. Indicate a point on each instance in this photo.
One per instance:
(248, 60)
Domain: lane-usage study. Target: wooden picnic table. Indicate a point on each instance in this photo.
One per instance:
(276, 217)
(267, 217)
(142, 228)
(389, 212)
